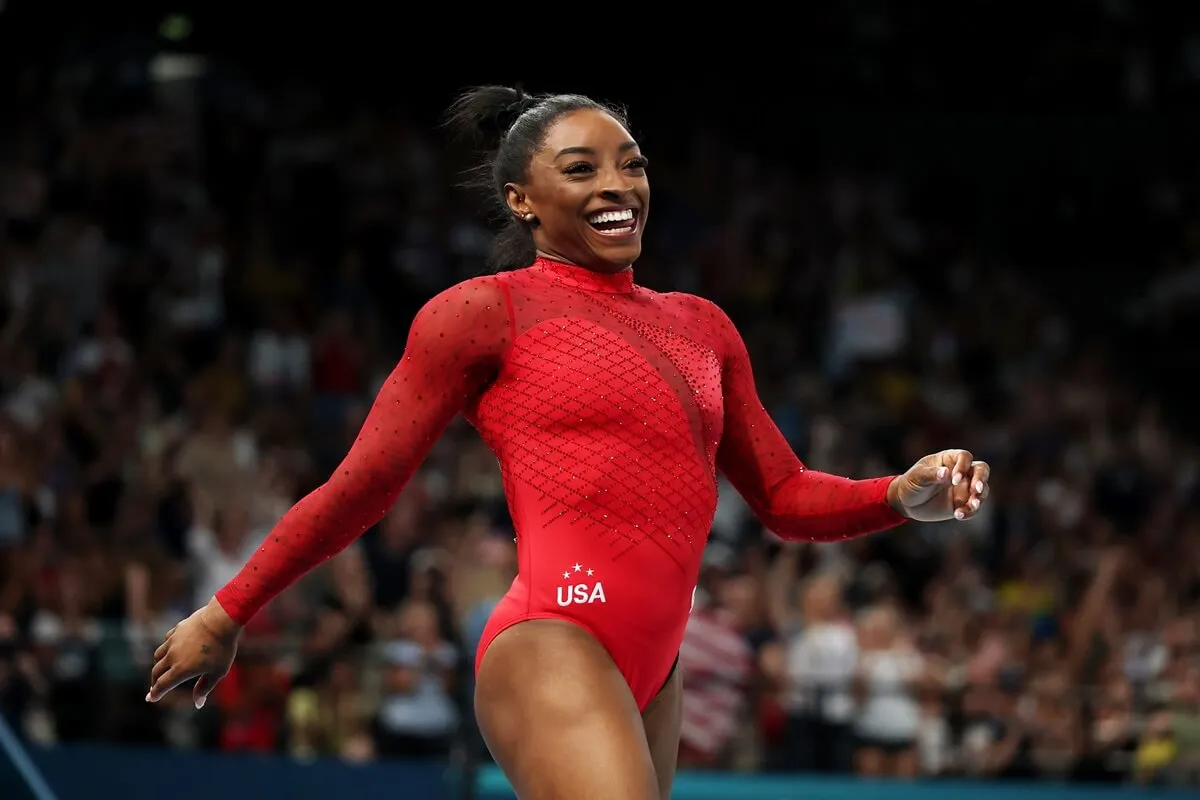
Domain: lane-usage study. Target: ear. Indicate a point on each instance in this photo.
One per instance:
(518, 203)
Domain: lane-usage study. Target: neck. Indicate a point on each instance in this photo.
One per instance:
(618, 281)
(602, 268)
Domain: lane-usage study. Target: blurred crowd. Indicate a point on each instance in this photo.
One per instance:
(200, 295)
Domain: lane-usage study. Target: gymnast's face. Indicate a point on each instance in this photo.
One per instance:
(587, 186)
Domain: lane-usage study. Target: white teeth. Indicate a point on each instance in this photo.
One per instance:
(611, 216)
(616, 231)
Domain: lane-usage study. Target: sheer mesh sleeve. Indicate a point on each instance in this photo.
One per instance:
(790, 500)
(454, 349)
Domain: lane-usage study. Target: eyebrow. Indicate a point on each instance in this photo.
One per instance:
(589, 151)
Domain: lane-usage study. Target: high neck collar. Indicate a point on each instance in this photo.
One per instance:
(586, 279)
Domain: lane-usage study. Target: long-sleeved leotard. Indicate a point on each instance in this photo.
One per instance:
(610, 408)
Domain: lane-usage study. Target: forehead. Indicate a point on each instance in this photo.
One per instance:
(588, 127)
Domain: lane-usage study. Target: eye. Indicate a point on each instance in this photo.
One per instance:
(578, 168)
(639, 163)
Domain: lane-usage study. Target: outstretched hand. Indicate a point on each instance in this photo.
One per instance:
(946, 485)
(201, 647)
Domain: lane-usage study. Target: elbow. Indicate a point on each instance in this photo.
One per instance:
(786, 527)
(831, 526)
(788, 532)
(799, 529)
(790, 527)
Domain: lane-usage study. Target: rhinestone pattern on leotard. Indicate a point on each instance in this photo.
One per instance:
(610, 408)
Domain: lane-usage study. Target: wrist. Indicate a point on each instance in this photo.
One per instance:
(218, 622)
(893, 497)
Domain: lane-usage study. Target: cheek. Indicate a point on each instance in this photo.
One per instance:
(563, 210)
(570, 198)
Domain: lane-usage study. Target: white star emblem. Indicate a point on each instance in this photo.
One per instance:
(589, 572)
(566, 575)
(577, 567)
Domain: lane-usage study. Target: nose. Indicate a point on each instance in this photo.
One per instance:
(615, 186)
(615, 195)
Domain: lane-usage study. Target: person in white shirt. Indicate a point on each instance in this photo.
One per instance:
(889, 714)
(819, 665)
(219, 542)
(417, 714)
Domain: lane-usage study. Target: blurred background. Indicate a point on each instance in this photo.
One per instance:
(935, 226)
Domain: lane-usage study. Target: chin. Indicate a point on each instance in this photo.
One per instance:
(619, 256)
(612, 254)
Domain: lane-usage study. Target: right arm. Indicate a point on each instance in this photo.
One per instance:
(454, 350)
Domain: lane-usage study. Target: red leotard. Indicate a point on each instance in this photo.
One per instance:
(610, 408)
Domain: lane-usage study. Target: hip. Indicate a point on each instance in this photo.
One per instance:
(643, 647)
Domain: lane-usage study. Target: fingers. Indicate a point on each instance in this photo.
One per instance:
(200, 691)
(976, 478)
(161, 664)
(961, 466)
(167, 673)
(168, 679)
(948, 466)
(162, 648)
(953, 478)
(929, 474)
(980, 477)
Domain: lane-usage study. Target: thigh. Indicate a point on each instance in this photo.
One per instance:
(903, 761)
(662, 720)
(558, 717)
(869, 760)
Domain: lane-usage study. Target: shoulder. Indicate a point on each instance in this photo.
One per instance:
(474, 305)
(702, 314)
(468, 323)
(692, 306)
(681, 300)
(473, 296)
(712, 313)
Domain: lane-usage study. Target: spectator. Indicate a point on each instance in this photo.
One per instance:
(819, 663)
(280, 358)
(251, 701)
(888, 718)
(715, 662)
(327, 718)
(417, 714)
(219, 544)
(1157, 751)
(67, 639)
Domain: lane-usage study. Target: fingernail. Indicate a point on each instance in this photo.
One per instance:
(979, 486)
(200, 703)
(974, 504)
(957, 478)
(147, 697)
(941, 474)
(960, 514)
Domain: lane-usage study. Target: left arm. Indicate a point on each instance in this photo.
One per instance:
(792, 501)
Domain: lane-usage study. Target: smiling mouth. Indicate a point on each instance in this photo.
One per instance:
(615, 224)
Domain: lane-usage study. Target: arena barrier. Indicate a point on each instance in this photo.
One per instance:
(80, 772)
